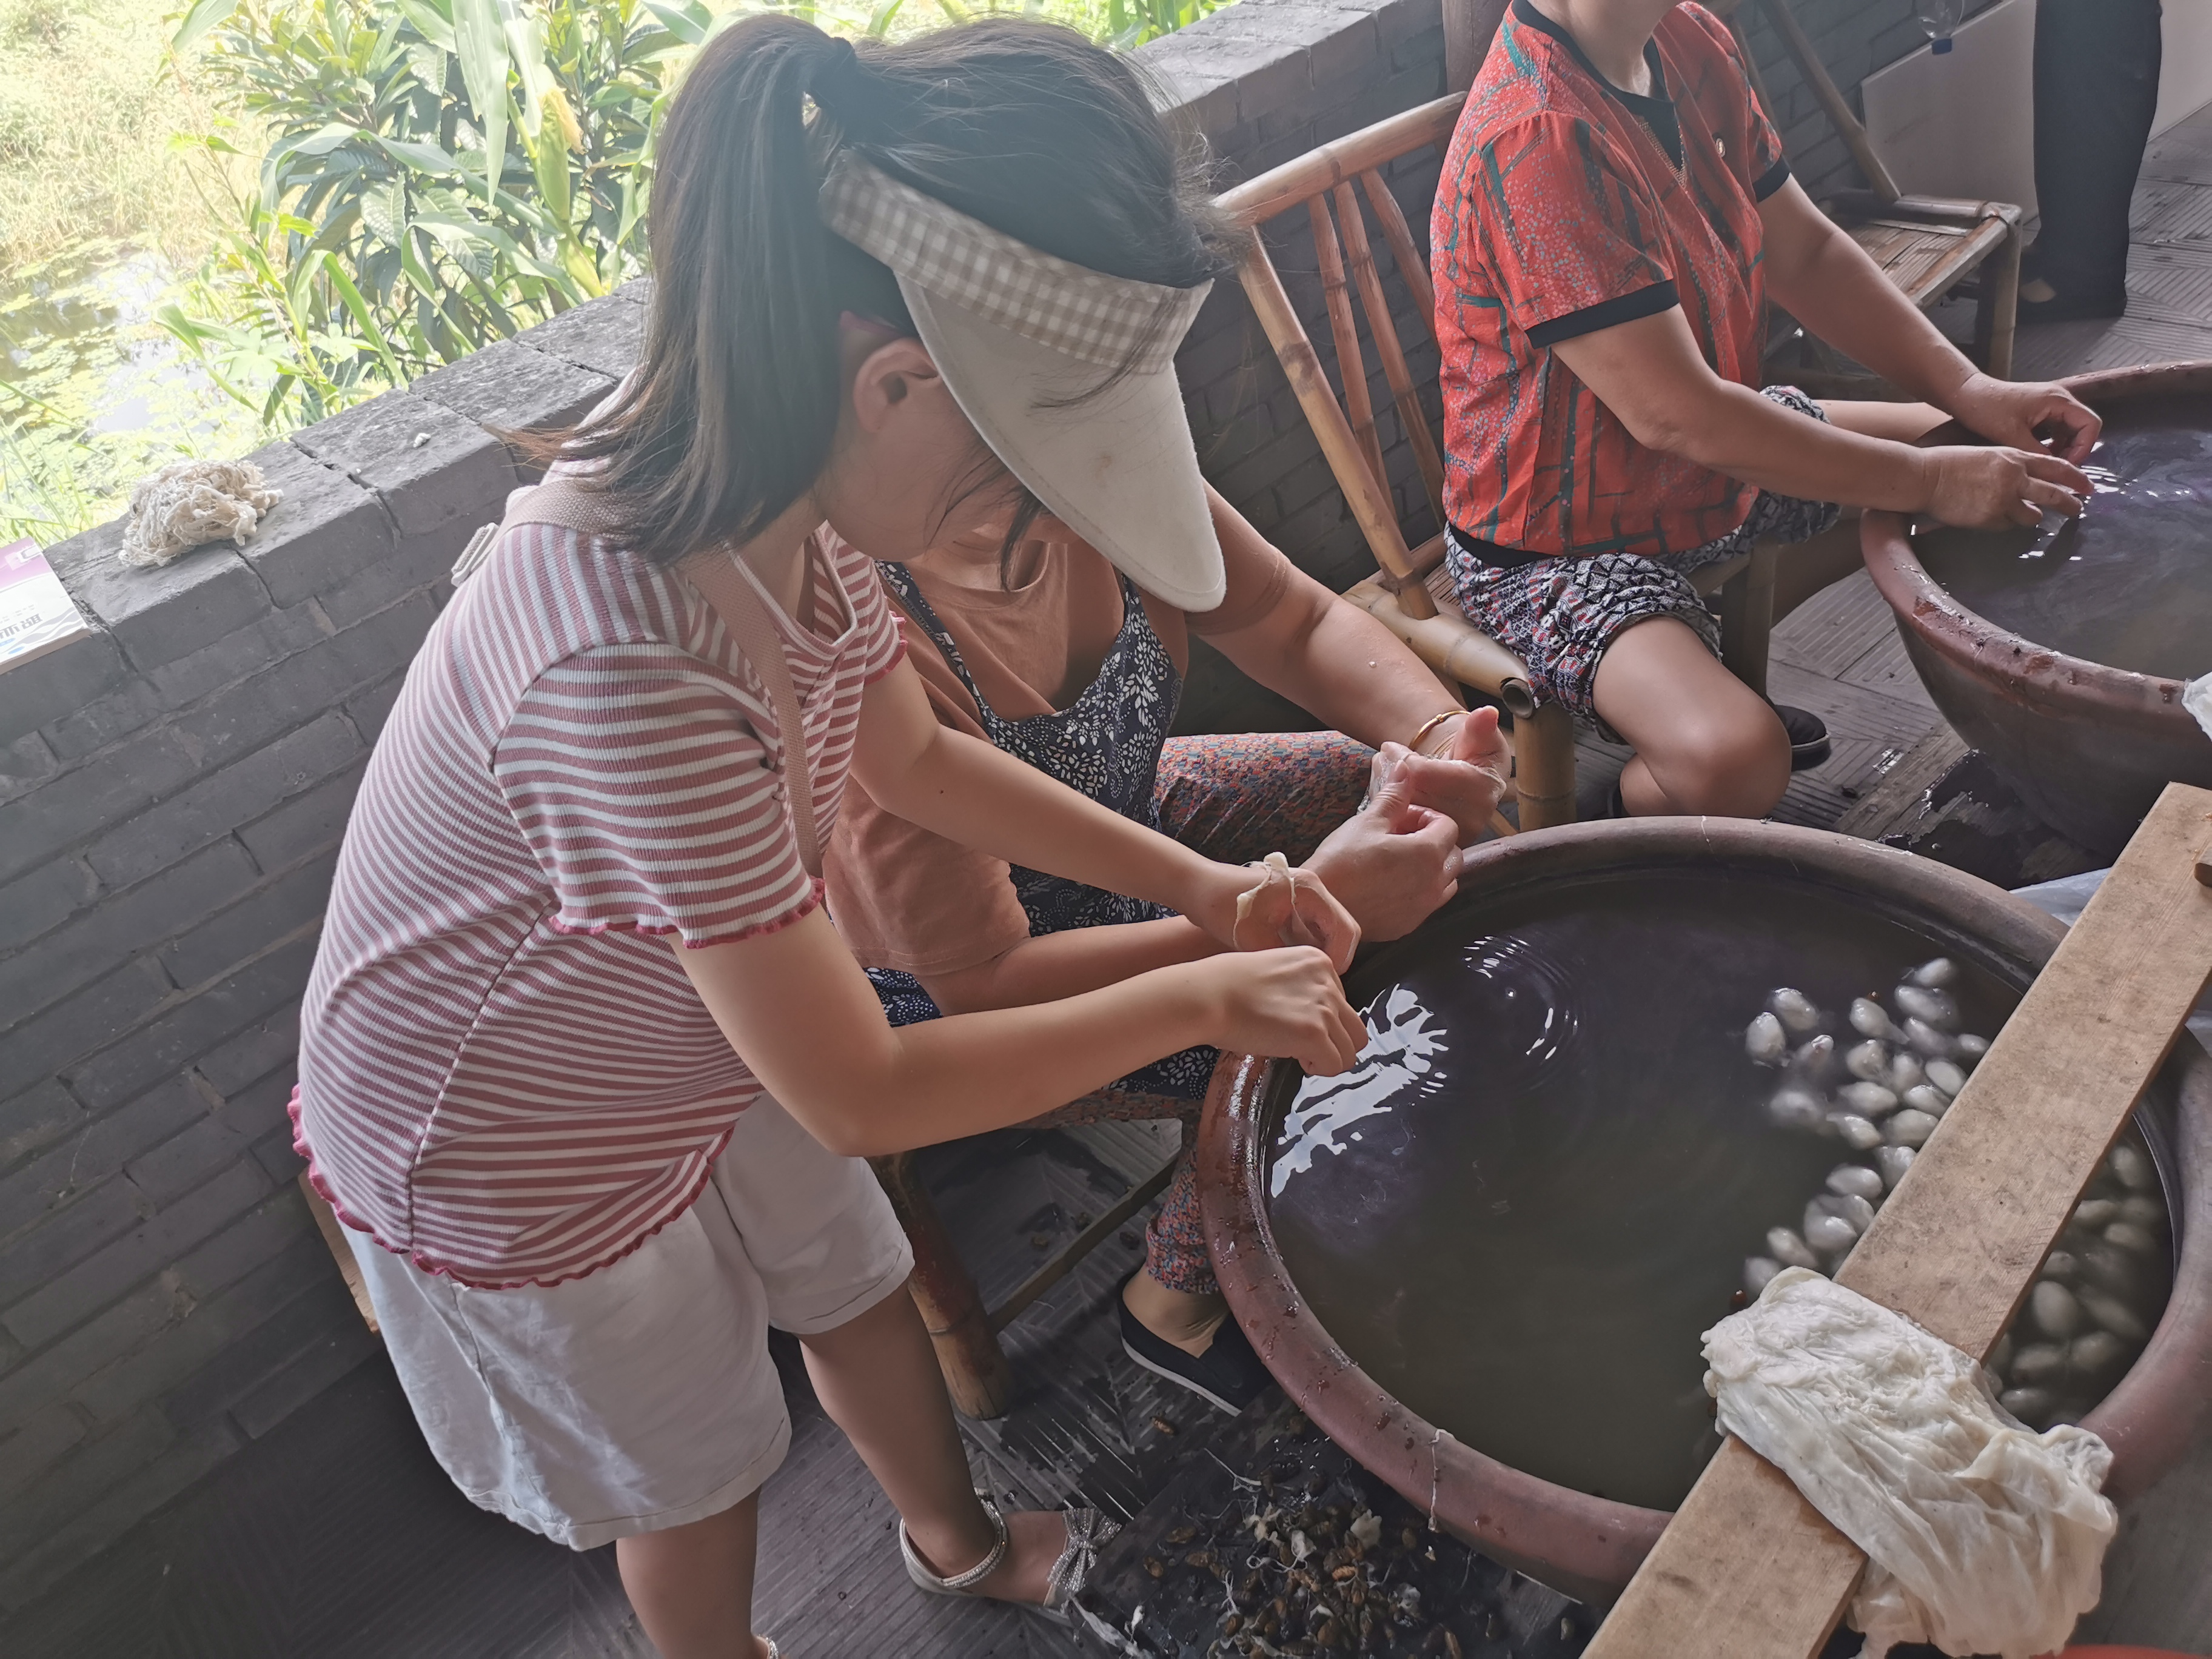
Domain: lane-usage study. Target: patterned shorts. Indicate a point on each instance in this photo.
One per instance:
(1558, 615)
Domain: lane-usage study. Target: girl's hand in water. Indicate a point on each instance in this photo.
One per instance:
(1284, 1004)
(1988, 489)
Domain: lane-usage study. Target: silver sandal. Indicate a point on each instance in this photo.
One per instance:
(1087, 1533)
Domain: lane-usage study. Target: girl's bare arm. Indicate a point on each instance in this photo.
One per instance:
(800, 1010)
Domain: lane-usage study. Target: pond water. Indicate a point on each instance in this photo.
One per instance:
(95, 394)
(2129, 583)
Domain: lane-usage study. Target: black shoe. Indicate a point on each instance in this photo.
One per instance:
(2063, 308)
(1228, 1375)
(1809, 737)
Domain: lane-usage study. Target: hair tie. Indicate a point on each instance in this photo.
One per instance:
(835, 75)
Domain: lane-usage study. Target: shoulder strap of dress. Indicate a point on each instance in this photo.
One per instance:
(557, 501)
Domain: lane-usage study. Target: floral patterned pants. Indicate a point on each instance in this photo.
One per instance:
(1235, 798)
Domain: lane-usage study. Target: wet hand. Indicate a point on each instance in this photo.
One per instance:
(1465, 780)
(2029, 415)
(1281, 906)
(1392, 862)
(1989, 489)
(1285, 1004)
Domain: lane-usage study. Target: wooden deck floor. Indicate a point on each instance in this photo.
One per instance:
(338, 1536)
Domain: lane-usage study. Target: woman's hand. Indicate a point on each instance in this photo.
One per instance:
(1988, 488)
(1464, 781)
(2026, 415)
(1392, 862)
(1282, 1003)
(1263, 907)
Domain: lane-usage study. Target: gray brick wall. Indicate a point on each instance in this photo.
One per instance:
(172, 789)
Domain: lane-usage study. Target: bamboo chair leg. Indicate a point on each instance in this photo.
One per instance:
(1996, 316)
(1544, 767)
(1747, 619)
(975, 1371)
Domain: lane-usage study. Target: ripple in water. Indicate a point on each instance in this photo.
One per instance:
(2129, 583)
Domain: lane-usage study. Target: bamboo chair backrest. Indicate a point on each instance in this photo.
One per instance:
(1329, 182)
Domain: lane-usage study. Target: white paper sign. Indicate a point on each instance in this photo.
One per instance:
(36, 612)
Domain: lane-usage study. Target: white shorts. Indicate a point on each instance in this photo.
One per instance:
(642, 1396)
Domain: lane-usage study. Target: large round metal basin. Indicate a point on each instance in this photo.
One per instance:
(1586, 1545)
(2086, 746)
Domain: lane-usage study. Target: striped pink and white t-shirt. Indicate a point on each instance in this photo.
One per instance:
(505, 1074)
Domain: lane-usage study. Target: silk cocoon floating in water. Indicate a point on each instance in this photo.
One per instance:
(1981, 1536)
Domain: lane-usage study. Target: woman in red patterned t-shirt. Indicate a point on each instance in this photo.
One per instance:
(583, 1064)
(1614, 210)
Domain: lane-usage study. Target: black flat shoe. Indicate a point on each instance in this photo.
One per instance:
(1809, 737)
(1228, 1376)
(2072, 308)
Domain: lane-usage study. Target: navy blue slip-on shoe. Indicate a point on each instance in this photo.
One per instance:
(1809, 737)
(1228, 1376)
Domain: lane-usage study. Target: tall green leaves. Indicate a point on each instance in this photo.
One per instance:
(438, 173)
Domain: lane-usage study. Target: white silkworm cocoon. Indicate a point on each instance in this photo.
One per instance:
(1829, 1234)
(2055, 1309)
(1892, 1162)
(1766, 1042)
(1911, 1128)
(2114, 1314)
(1814, 1061)
(1936, 1007)
(1945, 1076)
(1967, 1050)
(1859, 1134)
(1866, 1099)
(1869, 1018)
(1758, 1270)
(1905, 1071)
(1926, 1040)
(2129, 1236)
(2029, 1405)
(2134, 1170)
(1855, 1180)
(2095, 1352)
(2061, 1266)
(1934, 974)
(2144, 1210)
(1927, 1097)
(1794, 1008)
(2097, 1213)
(2040, 1362)
(1785, 1247)
(1797, 1108)
(1868, 1061)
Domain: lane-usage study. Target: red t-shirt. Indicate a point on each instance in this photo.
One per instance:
(1567, 206)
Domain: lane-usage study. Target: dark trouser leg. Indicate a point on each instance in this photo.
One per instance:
(2096, 88)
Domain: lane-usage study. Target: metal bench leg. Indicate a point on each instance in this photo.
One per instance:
(975, 1371)
(1748, 618)
(1544, 767)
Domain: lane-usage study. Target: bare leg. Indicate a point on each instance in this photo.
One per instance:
(693, 1585)
(1185, 1318)
(877, 1377)
(1706, 743)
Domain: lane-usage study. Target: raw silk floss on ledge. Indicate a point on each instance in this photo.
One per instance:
(1981, 1536)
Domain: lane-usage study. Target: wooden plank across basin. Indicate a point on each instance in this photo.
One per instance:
(1749, 1569)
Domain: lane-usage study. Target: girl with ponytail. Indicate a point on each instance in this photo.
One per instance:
(583, 1064)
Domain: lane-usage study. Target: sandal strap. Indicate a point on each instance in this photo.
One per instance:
(1088, 1532)
(959, 1583)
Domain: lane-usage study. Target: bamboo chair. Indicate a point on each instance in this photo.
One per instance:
(1404, 592)
(964, 1332)
(1927, 245)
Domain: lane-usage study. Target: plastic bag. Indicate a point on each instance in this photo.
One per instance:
(1981, 1536)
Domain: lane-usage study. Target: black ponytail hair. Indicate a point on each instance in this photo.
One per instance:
(1025, 125)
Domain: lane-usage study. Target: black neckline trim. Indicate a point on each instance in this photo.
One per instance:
(1655, 110)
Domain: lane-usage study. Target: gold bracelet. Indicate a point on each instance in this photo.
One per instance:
(1428, 725)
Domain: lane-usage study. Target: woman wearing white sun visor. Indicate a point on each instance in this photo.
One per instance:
(583, 1064)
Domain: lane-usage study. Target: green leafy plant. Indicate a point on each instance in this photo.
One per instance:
(438, 173)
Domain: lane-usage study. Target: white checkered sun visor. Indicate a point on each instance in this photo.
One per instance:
(1083, 313)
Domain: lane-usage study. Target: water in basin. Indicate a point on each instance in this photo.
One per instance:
(2129, 584)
